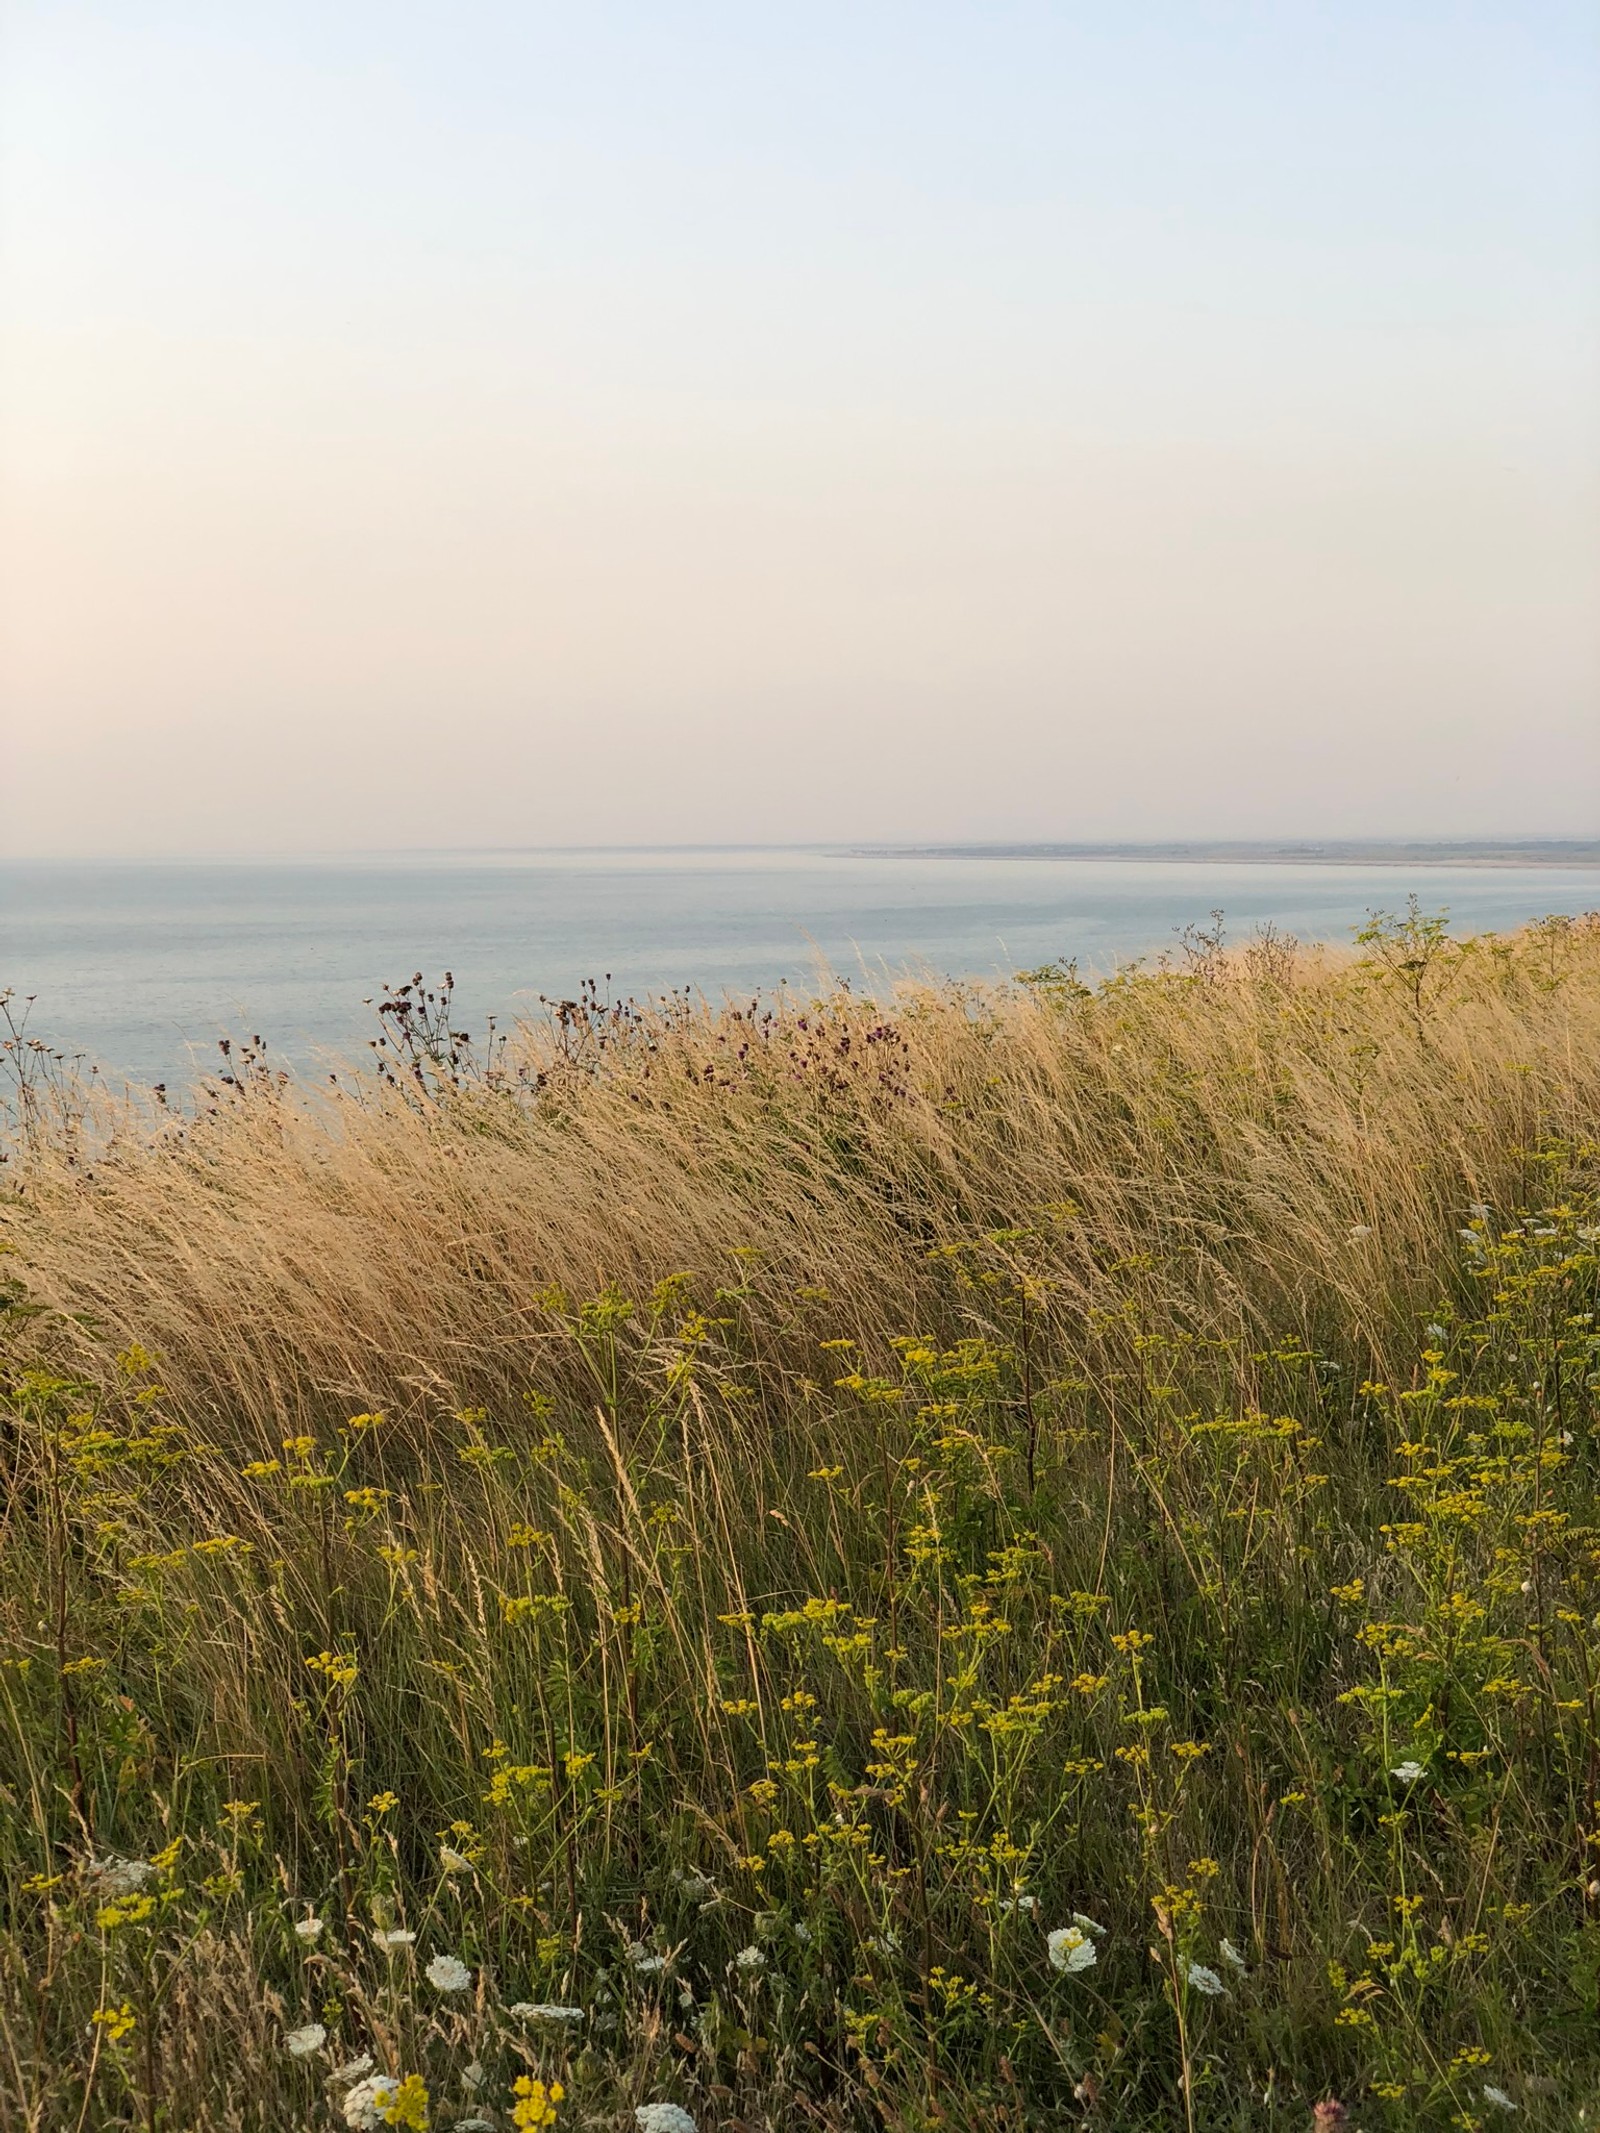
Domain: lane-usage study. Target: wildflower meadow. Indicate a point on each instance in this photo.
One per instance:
(984, 1558)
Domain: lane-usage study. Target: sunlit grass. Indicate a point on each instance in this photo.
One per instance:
(1004, 1562)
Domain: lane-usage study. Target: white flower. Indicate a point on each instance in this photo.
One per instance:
(473, 2125)
(396, 1937)
(448, 1973)
(750, 1959)
(1409, 1771)
(309, 1930)
(544, 2011)
(1232, 1957)
(1499, 2097)
(301, 2043)
(646, 1963)
(472, 2075)
(352, 2070)
(1071, 1950)
(802, 1934)
(693, 1883)
(1203, 1980)
(1435, 1331)
(663, 2118)
(452, 1861)
(367, 2105)
(1008, 1906)
(1087, 1924)
(116, 1876)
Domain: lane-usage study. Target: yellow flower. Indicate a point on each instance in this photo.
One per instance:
(535, 2105)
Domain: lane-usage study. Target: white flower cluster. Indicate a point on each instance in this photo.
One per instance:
(448, 1973)
(115, 1876)
(366, 2107)
(1071, 1950)
(663, 2118)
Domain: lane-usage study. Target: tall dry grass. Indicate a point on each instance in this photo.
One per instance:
(1284, 1137)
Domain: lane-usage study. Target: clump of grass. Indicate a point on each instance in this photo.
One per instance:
(993, 1560)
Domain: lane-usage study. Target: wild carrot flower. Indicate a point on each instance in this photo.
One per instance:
(301, 2043)
(448, 1973)
(367, 2105)
(116, 1876)
(1409, 1771)
(309, 1930)
(1087, 1925)
(1498, 2098)
(644, 1961)
(1202, 1979)
(1071, 1950)
(1232, 1957)
(663, 2118)
(396, 1937)
(750, 1959)
(544, 2011)
(452, 1861)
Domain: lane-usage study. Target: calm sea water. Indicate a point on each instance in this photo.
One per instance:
(143, 966)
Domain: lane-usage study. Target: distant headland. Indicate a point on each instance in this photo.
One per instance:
(1332, 852)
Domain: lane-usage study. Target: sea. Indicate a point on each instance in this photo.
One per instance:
(139, 968)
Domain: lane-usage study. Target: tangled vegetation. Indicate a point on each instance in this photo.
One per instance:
(973, 1561)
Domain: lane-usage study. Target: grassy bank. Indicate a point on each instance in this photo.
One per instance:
(984, 1560)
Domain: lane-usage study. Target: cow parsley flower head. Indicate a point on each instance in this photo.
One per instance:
(396, 1937)
(301, 2043)
(1498, 2098)
(1013, 1906)
(1071, 1950)
(663, 2118)
(645, 1961)
(309, 1930)
(448, 1973)
(352, 2070)
(1088, 1924)
(549, 2011)
(452, 1861)
(1409, 1771)
(750, 1959)
(1203, 1979)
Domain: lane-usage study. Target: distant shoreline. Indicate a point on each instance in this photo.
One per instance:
(1536, 852)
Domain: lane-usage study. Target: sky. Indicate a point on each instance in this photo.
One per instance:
(512, 424)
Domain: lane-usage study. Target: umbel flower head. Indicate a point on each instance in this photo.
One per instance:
(663, 2118)
(309, 1930)
(1071, 1949)
(366, 2106)
(115, 1876)
(448, 1973)
(1203, 1979)
(1409, 1771)
(301, 2043)
(550, 2011)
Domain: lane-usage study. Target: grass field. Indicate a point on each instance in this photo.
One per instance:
(980, 1560)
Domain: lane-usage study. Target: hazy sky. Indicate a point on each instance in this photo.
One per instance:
(517, 423)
